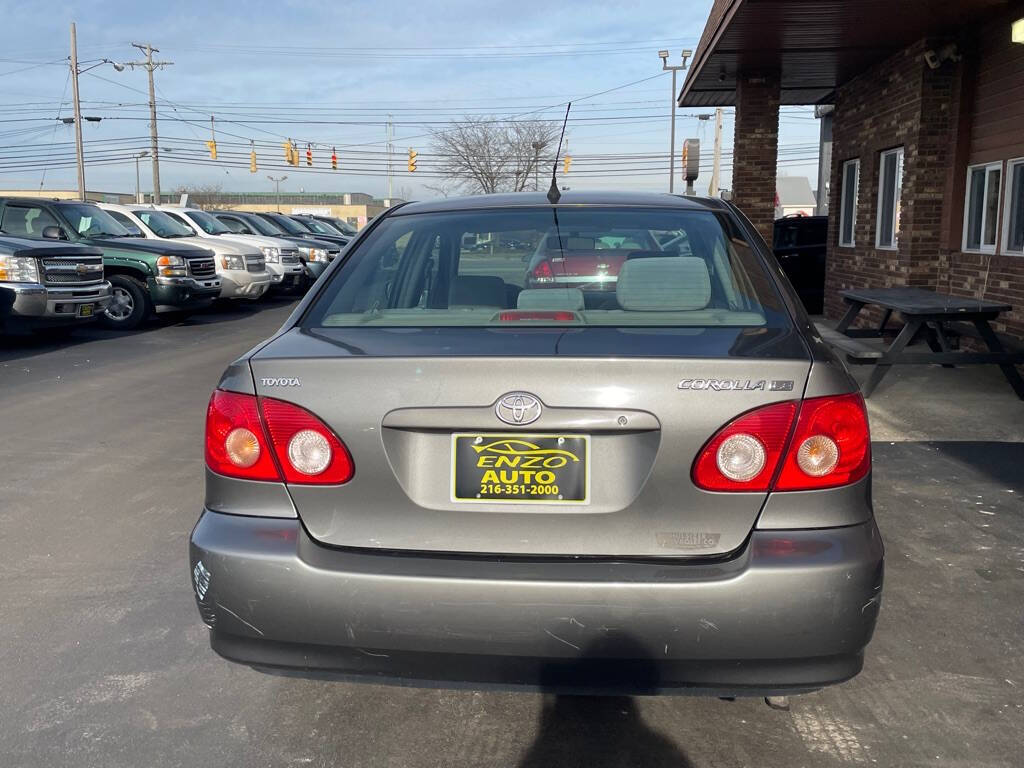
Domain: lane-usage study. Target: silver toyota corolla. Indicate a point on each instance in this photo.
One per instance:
(452, 467)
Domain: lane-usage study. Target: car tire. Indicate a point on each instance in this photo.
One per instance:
(129, 306)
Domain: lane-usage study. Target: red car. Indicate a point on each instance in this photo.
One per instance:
(586, 262)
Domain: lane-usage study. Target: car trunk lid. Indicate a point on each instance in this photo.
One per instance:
(397, 396)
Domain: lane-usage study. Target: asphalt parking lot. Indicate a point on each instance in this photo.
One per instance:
(105, 662)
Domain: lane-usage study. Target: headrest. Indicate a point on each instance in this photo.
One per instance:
(671, 284)
(477, 291)
(551, 298)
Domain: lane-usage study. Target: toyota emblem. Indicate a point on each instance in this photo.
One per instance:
(518, 408)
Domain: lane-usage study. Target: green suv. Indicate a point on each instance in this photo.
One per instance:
(146, 276)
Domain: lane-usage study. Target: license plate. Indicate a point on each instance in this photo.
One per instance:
(520, 468)
(85, 310)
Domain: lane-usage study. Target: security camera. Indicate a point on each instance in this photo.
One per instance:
(935, 58)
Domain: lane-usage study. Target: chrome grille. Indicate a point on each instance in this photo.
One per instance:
(255, 264)
(289, 256)
(201, 267)
(63, 270)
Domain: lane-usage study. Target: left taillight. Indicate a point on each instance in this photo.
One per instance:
(265, 439)
(236, 443)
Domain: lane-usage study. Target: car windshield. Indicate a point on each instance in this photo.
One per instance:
(321, 227)
(207, 223)
(261, 225)
(162, 224)
(556, 267)
(343, 226)
(289, 226)
(91, 221)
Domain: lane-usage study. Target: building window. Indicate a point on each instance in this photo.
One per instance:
(848, 202)
(1013, 215)
(890, 186)
(981, 208)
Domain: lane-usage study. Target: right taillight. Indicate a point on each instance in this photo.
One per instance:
(829, 446)
(264, 439)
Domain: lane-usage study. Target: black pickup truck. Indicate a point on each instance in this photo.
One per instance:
(50, 286)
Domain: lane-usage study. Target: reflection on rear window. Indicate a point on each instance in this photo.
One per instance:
(555, 267)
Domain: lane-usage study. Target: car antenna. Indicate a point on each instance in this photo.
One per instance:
(554, 193)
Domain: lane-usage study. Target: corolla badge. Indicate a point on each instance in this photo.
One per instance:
(518, 408)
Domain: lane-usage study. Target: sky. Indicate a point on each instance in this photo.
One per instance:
(330, 74)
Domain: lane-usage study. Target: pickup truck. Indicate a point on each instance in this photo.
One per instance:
(146, 276)
(315, 254)
(242, 268)
(50, 286)
(282, 256)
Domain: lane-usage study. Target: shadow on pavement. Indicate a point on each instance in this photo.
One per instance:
(598, 731)
(26, 345)
(1001, 462)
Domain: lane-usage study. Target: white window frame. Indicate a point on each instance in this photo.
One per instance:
(1006, 179)
(987, 167)
(855, 165)
(897, 199)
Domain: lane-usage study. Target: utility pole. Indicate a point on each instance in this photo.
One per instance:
(149, 65)
(390, 133)
(672, 140)
(277, 189)
(716, 163)
(537, 146)
(79, 151)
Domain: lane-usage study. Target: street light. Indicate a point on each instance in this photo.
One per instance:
(138, 193)
(673, 68)
(277, 189)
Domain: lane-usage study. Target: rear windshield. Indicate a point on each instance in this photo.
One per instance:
(552, 267)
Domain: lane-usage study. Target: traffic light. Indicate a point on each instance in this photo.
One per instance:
(567, 161)
(291, 154)
(309, 155)
(334, 159)
(212, 146)
(412, 160)
(252, 162)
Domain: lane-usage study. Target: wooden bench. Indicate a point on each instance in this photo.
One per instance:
(857, 351)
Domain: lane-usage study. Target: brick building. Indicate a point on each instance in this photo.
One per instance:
(927, 175)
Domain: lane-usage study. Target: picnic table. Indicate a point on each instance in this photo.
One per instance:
(936, 318)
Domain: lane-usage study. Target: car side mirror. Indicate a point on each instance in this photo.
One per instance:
(53, 232)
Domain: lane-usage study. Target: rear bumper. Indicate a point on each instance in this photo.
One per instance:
(793, 612)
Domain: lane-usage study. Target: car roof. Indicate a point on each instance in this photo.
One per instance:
(568, 198)
(48, 200)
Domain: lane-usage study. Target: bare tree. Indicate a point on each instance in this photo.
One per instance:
(203, 195)
(485, 154)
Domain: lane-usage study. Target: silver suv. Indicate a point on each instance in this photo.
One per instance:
(445, 470)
